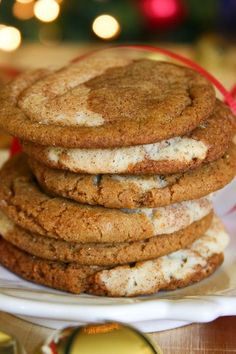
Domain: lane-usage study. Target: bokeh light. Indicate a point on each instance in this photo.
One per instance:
(10, 38)
(46, 10)
(23, 11)
(106, 26)
(161, 8)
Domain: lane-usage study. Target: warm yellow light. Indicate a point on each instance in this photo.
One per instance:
(46, 10)
(24, 1)
(106, 26)
(10, 38)
(23, 11)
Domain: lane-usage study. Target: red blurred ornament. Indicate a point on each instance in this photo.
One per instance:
(163, 13)
(7, 73)
(15, 147)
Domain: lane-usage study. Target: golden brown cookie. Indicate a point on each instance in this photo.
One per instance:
(169, 272)
(101, 254)
(127, 191)
(206, 143)
(107, 101)
(69, 277)
(24, 203)
(5, 140)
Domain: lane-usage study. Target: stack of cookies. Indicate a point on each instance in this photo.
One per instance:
(112, 195)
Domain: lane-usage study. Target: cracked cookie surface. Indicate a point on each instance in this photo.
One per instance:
(204, 144)
(107, 101)
(127, 191)
(101, 254)
(22, 200)
(175, 270)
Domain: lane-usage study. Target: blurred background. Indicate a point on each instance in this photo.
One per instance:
(37, 33)
(50, 32)
(52, 21)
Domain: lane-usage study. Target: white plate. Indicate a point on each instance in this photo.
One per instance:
(202, 302)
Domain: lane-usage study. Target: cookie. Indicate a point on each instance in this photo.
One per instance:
(127, 191)
(101, 254)
(69, 277)
(169, 272)
(108, 100)
(21, 82)
(25, 204)
(206, 143)
(175, 270)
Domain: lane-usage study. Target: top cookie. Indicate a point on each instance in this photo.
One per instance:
(107, 101)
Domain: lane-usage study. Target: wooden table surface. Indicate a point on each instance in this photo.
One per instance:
(217, 337)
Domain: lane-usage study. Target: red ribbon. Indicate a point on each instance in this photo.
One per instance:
(233, 93)
(15, 147)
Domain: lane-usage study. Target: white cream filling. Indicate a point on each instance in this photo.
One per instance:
(214, 241)
(177, 265)
(88, 119)
(84, 118)
(4, 156)
(206, 246)
(6, 225)
(119, 159)
(174, 217)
